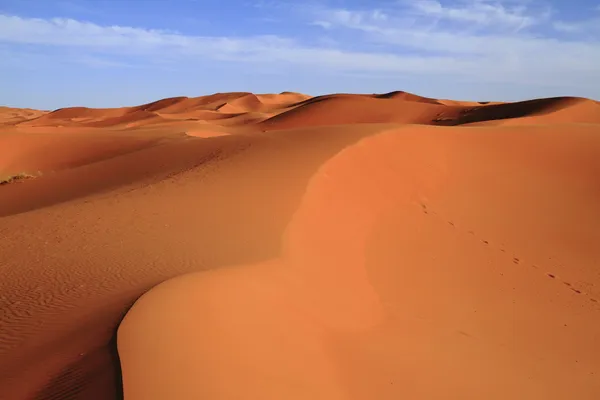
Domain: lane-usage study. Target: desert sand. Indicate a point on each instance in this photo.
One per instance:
(282, 246)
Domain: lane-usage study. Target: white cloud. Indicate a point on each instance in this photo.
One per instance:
(479, 40)
(504, 50)
(322, 24)
(100, 62)
(567, 27)
(590, 26)
(482, 13)
(120, 40)
(90, 37)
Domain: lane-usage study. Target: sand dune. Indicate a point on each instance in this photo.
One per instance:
(282, 99)
(355, 109)
(383, 287)
(56, 150)
(406, 96)
(213, 107)
(13, 116)
(287, 246)
(288, 110)
(551, 110)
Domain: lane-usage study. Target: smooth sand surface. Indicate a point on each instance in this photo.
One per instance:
(241, 246)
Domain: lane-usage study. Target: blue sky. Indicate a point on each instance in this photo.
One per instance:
(110, 53)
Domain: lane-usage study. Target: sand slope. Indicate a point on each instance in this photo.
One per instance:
(334, 247)
(398, 271)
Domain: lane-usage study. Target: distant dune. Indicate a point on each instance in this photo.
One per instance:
(13, 116)
(283, 246)
(288, 110)
(176, 108)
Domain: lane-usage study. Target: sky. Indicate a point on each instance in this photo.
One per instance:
(113, 53)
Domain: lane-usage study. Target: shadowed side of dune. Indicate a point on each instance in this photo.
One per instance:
(558, 109)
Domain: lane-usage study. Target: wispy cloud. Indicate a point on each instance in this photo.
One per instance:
(90, 37)
(500, 43)
(482, 40)
(120, 40)
(481, 13)
(588, 26)
(102, 62)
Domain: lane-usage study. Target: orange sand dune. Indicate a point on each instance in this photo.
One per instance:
(384, 287)
(283, 246)
(288, 110)
(56, 150)
(406, 96)
(547, 111)
(13, 116)
(354, 109)
(212, 107)
(551, 110)
(468, 103)
(282, 99)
